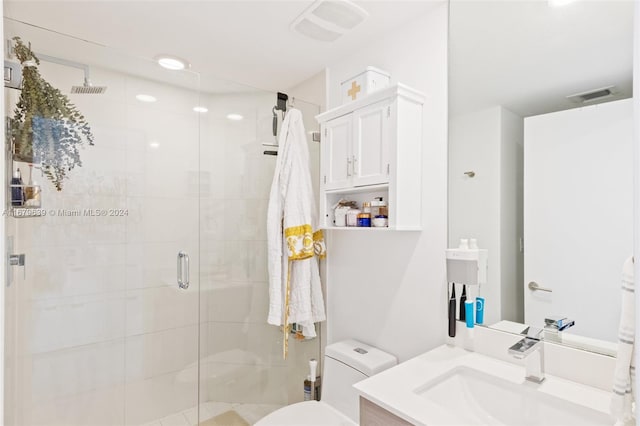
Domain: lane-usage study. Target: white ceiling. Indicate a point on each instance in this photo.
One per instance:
(243, 41)
(528, 56)
(520, 54)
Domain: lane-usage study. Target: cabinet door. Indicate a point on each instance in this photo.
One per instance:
(371, 142)
(337, 161)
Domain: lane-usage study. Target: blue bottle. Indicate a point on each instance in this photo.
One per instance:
(469, 311)
(479, 310)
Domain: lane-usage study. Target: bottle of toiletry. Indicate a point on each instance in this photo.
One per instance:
(463, 299)
(312, 387)
(310, 395)
(366, 207)
(17, 189)
(376, 205)
(364, 220)
(479, 310)
(29, 190)
(380, 221)
(452, 311)
(352, 217)
(469, 310)
(307, 389)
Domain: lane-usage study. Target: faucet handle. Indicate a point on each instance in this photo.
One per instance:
(534, 333)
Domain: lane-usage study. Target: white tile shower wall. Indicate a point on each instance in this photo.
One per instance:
(388, 289)
(101, 328)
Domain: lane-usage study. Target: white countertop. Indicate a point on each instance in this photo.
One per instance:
(393, 389)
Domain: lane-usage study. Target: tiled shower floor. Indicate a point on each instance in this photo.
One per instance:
(250, 412)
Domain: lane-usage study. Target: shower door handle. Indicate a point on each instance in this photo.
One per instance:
(183, 270)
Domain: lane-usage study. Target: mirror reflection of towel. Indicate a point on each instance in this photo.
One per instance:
(625, 371)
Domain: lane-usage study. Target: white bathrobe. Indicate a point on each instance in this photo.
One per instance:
(295, 293)
(625, 371)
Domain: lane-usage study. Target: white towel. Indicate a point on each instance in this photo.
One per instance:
(625, 371)
(295, 293)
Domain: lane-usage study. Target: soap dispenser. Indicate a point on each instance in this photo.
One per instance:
(17, 189)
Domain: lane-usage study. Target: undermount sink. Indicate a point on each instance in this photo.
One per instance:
(477, 398)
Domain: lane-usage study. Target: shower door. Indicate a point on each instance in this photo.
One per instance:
(98, 330)
(243, 375)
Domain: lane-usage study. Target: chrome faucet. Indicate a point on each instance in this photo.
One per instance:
(557, 323)
(531, 349)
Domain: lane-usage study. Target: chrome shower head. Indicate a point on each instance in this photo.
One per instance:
(88, 89)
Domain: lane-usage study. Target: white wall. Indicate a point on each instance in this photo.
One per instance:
(486, 207)
(474, 203)
(313, 89)
(388, 289)
(636, 175)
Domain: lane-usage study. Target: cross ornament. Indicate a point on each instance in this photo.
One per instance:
(353, 92)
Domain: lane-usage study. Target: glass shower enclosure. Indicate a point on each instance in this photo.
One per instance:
(142, 295)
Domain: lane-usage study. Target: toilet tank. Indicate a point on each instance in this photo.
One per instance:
(346, 363)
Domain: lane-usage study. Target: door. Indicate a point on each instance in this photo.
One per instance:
(578, 214)
(337, 161)
(371, 144)
(242, 373)
(99, 330)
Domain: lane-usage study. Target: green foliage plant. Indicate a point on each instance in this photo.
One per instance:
(46, 128)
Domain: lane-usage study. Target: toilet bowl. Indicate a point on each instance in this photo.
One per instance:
(345, 363)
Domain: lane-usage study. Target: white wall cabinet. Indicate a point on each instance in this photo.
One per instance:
(372, 148)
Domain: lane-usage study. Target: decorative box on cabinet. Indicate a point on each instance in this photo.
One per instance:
(371, 148)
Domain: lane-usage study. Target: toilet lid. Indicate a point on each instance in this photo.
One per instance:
(308, 413)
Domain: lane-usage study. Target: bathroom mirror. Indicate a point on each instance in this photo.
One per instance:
(540, 159)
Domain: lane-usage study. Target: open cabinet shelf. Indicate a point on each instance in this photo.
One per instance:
(371, 148)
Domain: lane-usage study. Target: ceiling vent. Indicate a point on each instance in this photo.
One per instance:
(328, 20)
(593, 95)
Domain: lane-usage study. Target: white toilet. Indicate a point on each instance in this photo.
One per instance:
(345, 363)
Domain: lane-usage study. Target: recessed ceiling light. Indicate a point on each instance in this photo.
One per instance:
(172, 63)
(154, 144)
(145, 98)
(200, 109)
(234, 117)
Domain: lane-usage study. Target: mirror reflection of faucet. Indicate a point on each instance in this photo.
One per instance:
(553, 326)
(557, 323)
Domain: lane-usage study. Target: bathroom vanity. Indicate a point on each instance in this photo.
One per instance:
(485, 386)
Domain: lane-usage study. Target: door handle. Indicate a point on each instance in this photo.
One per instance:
(348, 166)
(534, 286)
(183, 270)
(19, 260)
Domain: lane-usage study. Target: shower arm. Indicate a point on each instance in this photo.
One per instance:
(68, 63)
